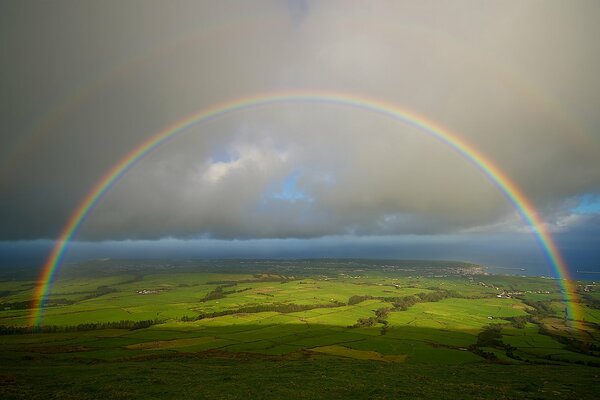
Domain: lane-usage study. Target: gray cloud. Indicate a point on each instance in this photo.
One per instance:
(87, 82)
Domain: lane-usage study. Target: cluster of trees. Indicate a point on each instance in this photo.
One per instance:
(276, 307)
(382, 313)
(490, 337)
(380, 317)
(488, 355)
(361, 322)
(541, 309)
(124, 324)
(518, 322)
(385, 327)
(404, 303)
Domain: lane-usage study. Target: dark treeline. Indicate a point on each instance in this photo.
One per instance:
(28, 304)
(403, 303)
(358, 299)
(365, 322)
(275, 307)
(216, 293)
(589, 300)
(100, 291)
(541, 309)
(124, 324)
(257, 278)
(219, 293)
(519, 322)
(381, 314)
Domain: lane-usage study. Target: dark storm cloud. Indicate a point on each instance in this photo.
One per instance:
(86, 82)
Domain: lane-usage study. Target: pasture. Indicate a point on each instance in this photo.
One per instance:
(366, 317)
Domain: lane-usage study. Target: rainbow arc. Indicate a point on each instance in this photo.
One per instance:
(508, 188)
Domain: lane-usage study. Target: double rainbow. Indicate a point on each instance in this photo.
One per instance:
(510, 190)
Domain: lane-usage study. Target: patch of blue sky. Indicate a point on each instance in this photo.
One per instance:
(289, 190)
(221, 155)
(588, 204)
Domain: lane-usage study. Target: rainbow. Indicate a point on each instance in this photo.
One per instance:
(509, 189)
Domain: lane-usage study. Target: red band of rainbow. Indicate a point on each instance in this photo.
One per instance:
(510, 190)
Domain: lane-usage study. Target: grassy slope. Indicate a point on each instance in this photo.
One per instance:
(322, 377)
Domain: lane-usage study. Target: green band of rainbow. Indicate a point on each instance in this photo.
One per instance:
(511, 191)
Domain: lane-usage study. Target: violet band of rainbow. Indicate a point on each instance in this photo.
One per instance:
(508, 188)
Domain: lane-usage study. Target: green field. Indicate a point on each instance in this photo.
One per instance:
(304, 329)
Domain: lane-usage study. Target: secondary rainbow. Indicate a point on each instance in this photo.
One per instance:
(510, 190)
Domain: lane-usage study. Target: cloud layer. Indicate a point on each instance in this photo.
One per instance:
(86, 83)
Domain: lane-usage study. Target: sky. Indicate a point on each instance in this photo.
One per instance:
(84, 83)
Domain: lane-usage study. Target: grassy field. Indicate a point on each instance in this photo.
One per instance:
(299, 329)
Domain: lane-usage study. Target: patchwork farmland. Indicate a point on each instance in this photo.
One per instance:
(247, 320)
